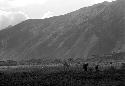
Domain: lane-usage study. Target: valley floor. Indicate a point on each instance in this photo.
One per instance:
(60, 76)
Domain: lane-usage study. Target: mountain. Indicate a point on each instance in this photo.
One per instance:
(98, 29)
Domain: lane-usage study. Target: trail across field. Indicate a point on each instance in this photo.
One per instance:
(45, 68)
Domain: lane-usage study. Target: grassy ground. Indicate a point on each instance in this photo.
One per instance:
(59, 76)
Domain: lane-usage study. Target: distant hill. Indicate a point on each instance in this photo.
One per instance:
(94, 30)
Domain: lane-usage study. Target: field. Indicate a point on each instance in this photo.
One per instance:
(57, 75)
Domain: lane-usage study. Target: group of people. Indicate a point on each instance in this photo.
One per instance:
(85, 66)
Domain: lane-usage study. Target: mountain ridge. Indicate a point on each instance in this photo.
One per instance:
(98, 29)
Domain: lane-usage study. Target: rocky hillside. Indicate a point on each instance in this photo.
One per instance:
(98, 29)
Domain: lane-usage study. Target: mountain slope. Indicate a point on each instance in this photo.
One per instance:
(98, 29)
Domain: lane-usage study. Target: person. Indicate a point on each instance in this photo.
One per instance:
(97, 68)
(85, 66)
(111, 66)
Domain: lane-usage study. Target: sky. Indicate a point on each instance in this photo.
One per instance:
(13, 12)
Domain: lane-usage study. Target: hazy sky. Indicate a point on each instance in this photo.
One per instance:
(17, 10)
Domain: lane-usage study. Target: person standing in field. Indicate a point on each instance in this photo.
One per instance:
(97, 68)
(85, 66)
